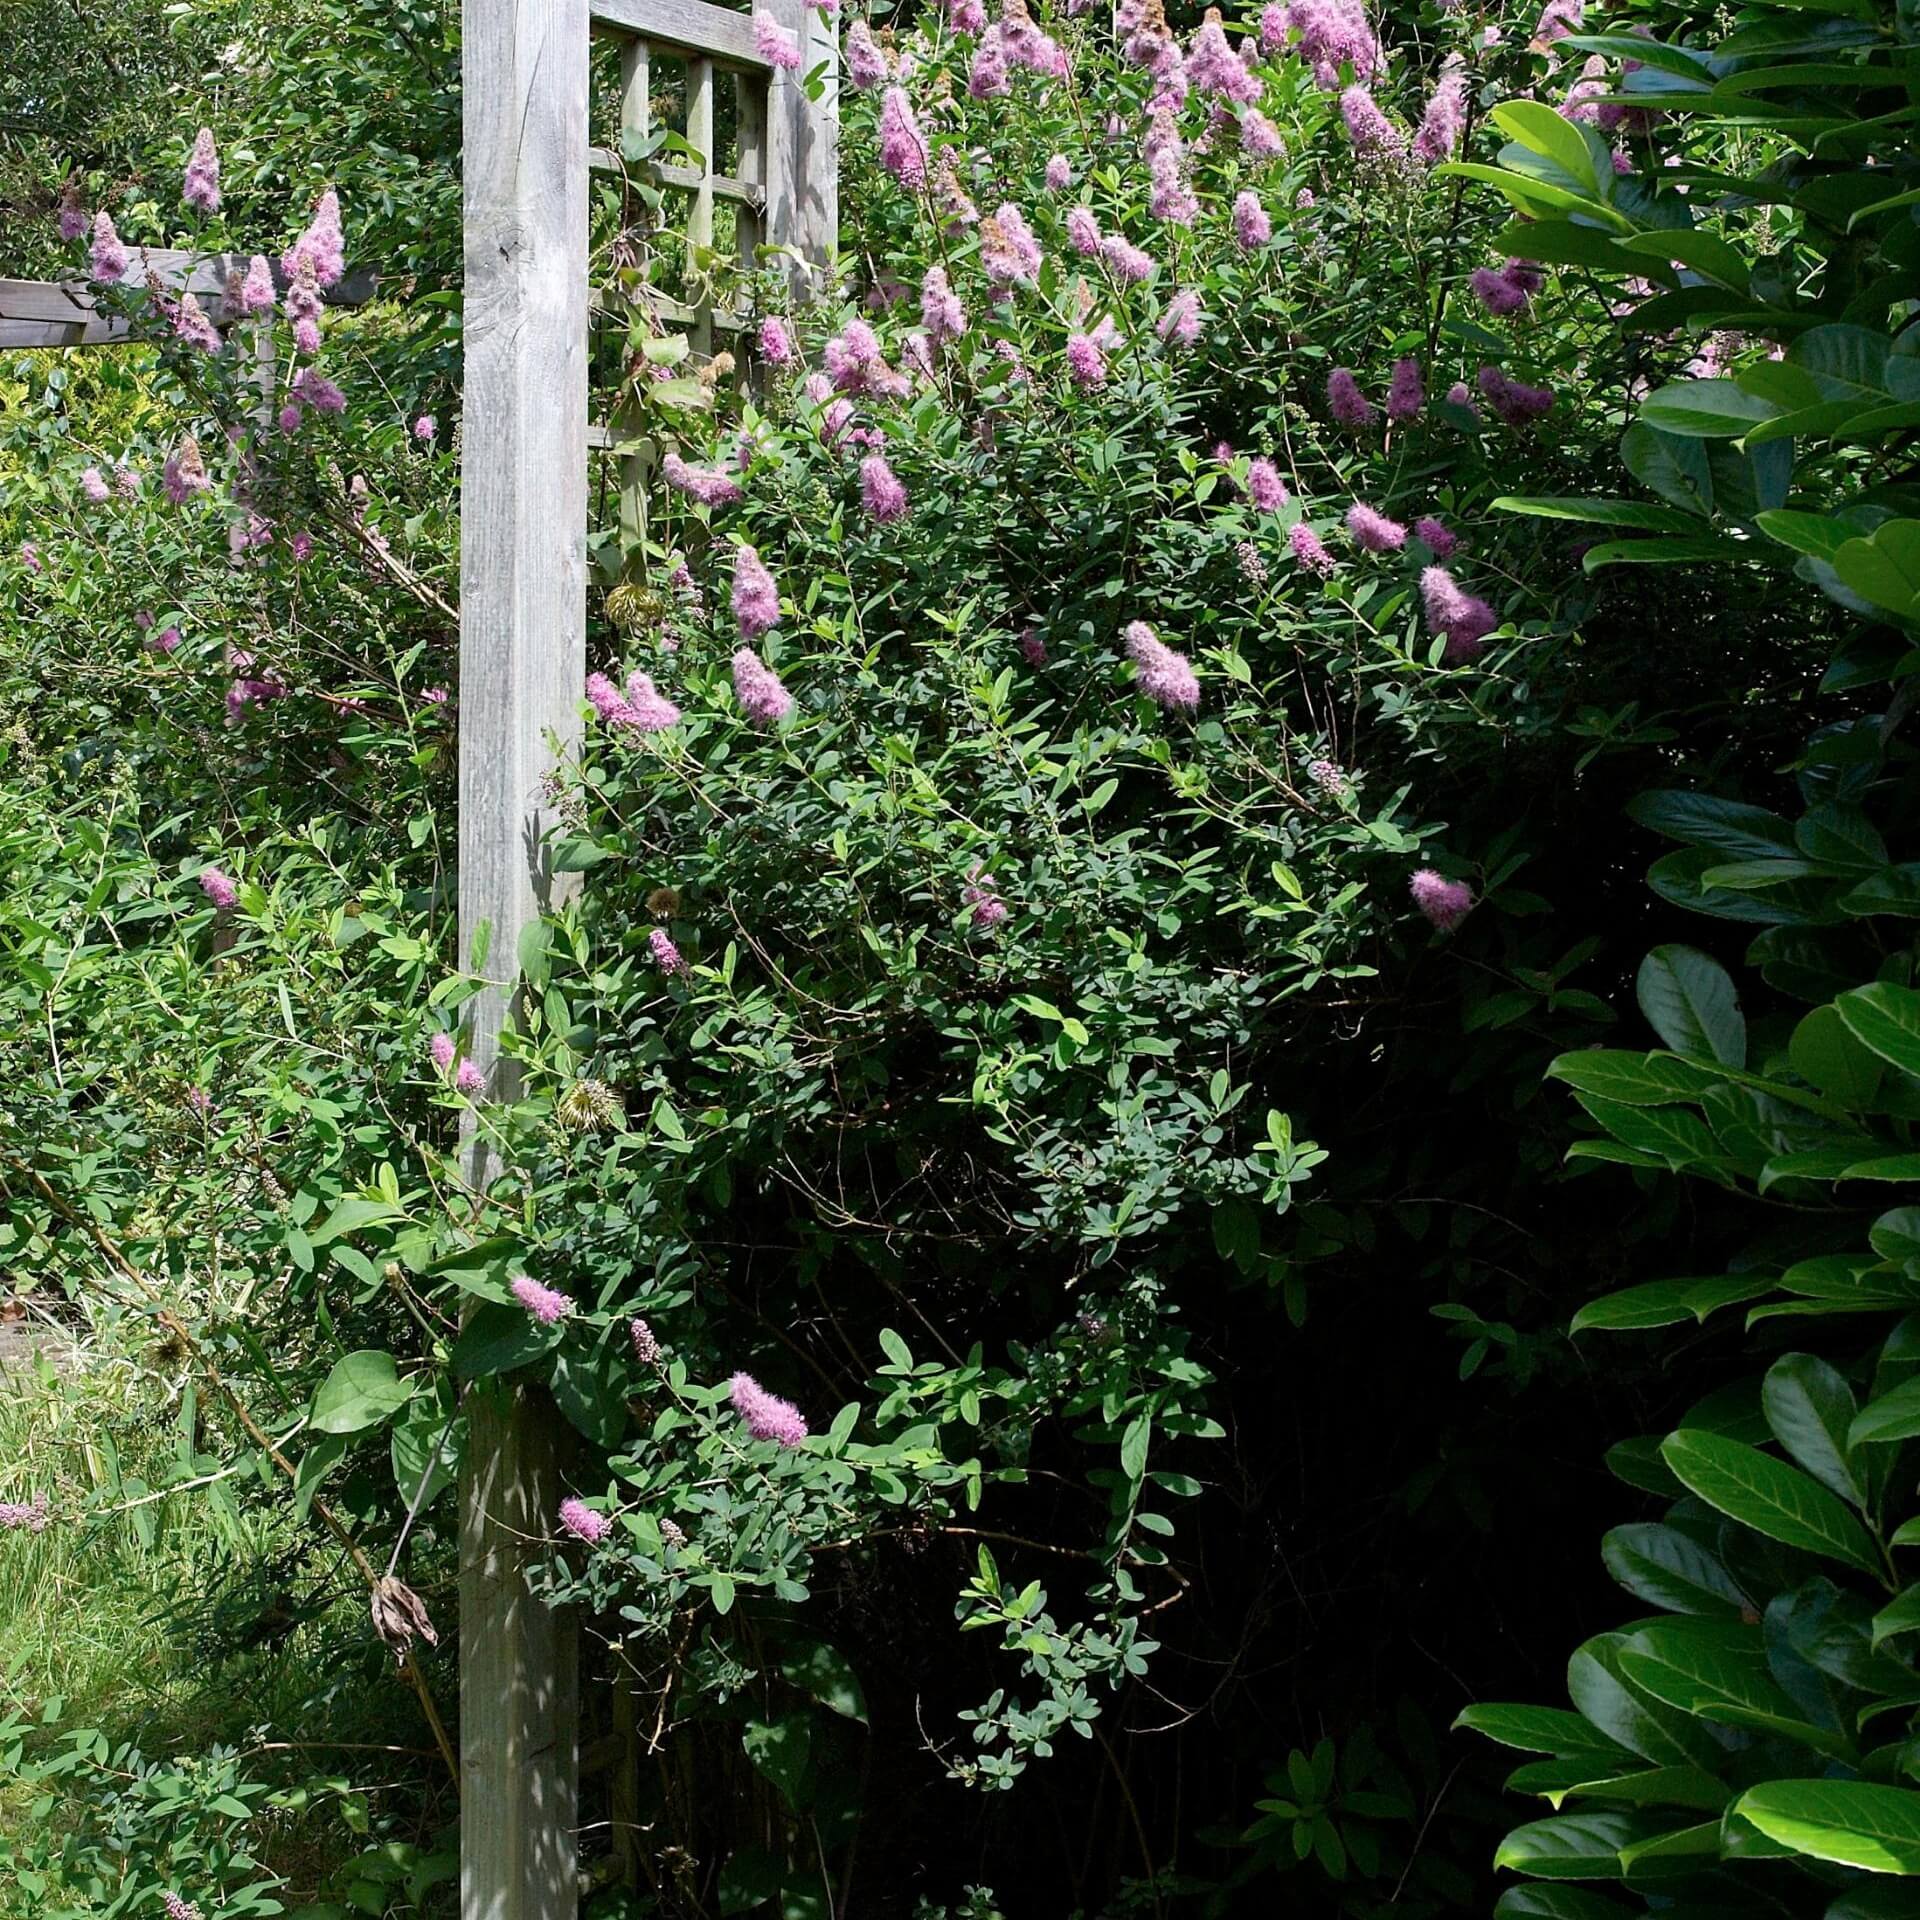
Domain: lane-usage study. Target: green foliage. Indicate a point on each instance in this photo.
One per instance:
(1169, 1268)
(1775, 1699)
(1798, 241)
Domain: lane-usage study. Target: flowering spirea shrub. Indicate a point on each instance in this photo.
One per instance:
(990, 771)
(1029, 732)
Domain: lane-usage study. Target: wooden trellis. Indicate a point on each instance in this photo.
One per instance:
(526, 435)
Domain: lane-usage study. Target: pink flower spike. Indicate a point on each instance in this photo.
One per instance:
(940, 310)
(468, 1078)
(775, 45)
(1444, 902)
(583, 1522)
(1265, 489)
(93, 486)
(1259, 137)
(201, 188)
(758, 688)
(441, 1051)
(767, 1416)
(646, 1348)
(666, 956)
(647, 709)
(989, 910)
(190, 322)
(708, 485)
(987, 76)
(605, 697)
(776, 343)
(1374, 531)
(27, 1516)
(1367, 127)
(1348, 405)
(1514, 401)
(1405, 395)
(866, 63)
(1212, 66)
(1179, 323)
(1435, 536)
(73, 213)
(1163, 675)
(256, 290)
(1440, 126)
(219, 888)
(1008, 251)
(1251, 226)
(1311, 551)
(903, 148)
(881, 492)
(1463, 618)
(1086, 364)
(110, 258)
(322, 247)
(1133, 264)
(756, 600)
(544, 1303)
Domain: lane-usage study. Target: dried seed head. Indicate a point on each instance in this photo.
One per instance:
(631, 607)
(400, 1617)
(588, 1106)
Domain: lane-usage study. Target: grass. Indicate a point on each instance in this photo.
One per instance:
(181, 1622)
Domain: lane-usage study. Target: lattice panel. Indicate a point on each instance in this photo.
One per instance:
(689, 125)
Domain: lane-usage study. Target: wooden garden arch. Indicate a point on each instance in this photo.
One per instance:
(523, 528)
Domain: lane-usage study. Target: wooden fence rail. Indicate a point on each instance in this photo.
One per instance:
(66, 313)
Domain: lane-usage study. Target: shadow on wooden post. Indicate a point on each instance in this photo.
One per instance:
(523, 527)
(803, 149)
(523, 522)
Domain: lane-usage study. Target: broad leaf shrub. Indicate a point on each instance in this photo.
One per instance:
(1753, 206)
(1757, 1731)
(1747, 1743)
(992, 650)
(960, 1046)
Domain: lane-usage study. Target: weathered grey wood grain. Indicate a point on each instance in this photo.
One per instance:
(689, 25)
(522, 664)
(519, 1676)
(64, 313)
(750, 119)
(636, 467)
(803, 142)
(700, 214)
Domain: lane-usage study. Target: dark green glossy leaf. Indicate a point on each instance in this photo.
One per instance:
(1769, 1496)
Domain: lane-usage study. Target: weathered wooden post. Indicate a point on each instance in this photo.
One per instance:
(523, 524)
(523, 528)
(803, 158)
